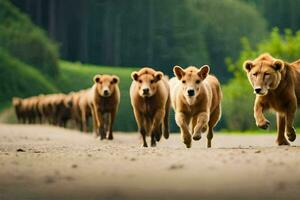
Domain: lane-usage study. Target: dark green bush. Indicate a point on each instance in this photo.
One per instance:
(19, 79)
(26, 41)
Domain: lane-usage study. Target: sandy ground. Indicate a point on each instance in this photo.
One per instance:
(40, 162)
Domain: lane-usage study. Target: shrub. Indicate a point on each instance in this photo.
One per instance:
(26, 41)
(20, 79)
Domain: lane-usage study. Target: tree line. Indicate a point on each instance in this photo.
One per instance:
(149, 32)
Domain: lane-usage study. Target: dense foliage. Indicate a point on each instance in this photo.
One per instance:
(225, 22)
(26, 41)
(279, 13)
(19, 79)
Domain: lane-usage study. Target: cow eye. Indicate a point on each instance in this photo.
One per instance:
(152, 81)
(197, 81)
(111, 82)
(140, 81)
(183, 81)
(100, 82)
(254, 74)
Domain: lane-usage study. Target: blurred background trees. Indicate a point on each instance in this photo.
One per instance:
(149, 32)
(36, 34)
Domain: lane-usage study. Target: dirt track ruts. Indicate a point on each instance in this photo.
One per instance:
(42, 162)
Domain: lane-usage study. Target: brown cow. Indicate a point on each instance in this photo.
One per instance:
(150, 99)
(104, 98)
(196, 99)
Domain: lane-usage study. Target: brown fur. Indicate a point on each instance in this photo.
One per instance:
(104, 99)
(30, 110)
(51, 108)
(39, 114)
(150, 99)
(75, 109)
(58, 109)
(63, 105)
(47, 109)
(17, 104)
(85, 109)
(196, 99)
(277, 85)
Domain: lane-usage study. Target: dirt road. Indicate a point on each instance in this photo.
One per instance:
(40, 162)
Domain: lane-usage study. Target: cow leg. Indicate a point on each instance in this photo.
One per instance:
(281, 140)
(182, 121)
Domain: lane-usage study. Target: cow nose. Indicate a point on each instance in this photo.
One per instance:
(146, 90)
(257, 90)
(191, 93)
(106, 92)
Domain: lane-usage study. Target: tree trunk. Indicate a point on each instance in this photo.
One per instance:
(39, 12)
(150, 34)
(107, 35)
(84, 32)
(52, 18)
(117, 39)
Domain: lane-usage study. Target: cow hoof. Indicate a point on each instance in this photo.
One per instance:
(208, 144)
(292, 137)
(153, 144)
(144, 145)
(188, 144)
(110, 137)
(282, 142)
(196, 137)
(166, 135)
(102, 138)
(158, 137)
(265, 125)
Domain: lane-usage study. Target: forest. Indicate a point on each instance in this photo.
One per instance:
(37, 35)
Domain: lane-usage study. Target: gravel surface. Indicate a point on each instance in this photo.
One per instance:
(43, 162)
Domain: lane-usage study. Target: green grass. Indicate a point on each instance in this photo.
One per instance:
(20, 79)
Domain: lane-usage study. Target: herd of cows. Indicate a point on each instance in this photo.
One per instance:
(77, 107)
(194, 94)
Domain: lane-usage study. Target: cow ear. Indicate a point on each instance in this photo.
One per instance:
(248, 65)
(115, 79)
(178, 71)
(203, 71)
(134, 76)
(97, 78)
(158, 76)
(278, 65)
